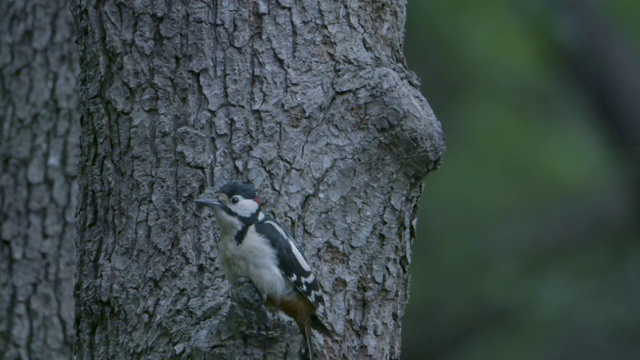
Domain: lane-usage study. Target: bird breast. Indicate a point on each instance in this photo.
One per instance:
(254, 259)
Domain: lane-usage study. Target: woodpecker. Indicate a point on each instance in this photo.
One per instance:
(254, 245)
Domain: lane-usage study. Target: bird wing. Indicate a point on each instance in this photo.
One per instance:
(291, 260)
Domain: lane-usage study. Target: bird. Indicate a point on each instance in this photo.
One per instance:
(254, 245)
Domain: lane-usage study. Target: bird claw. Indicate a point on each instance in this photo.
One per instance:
(303, 353)
(246, 294)
(242, 281)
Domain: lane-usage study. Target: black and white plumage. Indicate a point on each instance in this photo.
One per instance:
(254, 245)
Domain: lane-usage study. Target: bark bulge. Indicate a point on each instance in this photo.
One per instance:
(309, 101)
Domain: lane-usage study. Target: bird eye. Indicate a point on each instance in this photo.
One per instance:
(234, 200)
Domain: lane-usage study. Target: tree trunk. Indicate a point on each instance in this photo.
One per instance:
(39, 150)
(309, 101)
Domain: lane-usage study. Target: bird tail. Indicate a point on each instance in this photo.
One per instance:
(308, 342)
(319, 325)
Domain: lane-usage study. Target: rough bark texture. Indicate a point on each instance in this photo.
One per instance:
(311, 102)
(39, 150)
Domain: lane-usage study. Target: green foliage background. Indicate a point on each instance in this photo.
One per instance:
(528, 244)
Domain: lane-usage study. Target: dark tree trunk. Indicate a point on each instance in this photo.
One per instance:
(39, 151)
(309, 101)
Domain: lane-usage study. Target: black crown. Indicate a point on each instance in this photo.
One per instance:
(237, 188)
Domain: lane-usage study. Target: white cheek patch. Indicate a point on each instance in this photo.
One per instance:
(245, 208)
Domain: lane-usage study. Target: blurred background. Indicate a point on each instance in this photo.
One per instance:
(529, 234)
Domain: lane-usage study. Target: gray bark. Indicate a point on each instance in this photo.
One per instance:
(39, 150)
(311, 102)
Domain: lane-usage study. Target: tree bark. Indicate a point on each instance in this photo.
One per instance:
(309, 101)
(39, 150)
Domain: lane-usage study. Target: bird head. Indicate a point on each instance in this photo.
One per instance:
(234, 203)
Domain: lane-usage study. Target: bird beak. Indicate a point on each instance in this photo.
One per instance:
(209, 202)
